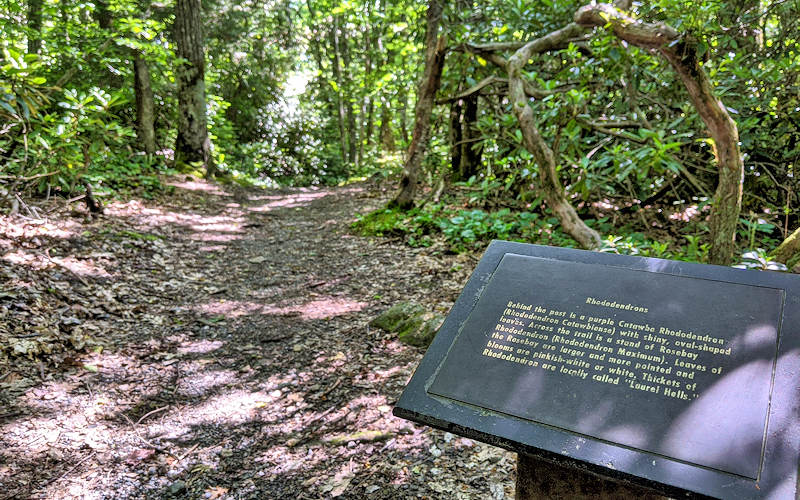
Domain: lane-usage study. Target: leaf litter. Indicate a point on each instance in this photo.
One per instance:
(216, 344)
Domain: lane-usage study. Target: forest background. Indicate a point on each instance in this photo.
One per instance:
(665, 129)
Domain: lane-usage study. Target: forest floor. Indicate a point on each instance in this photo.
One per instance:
(214, 344)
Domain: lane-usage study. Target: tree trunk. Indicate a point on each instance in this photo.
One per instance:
(337, 72)
(456, 139)
(387, 135)
(35, 26)
(192, 144)
(727, 203)
(472, 150)
(549, 183)
(103, 15)
(145, 108)
(370, 125)
(431, 80)
(370, 39)
(402, 99)
(681, 52)
(350, 104)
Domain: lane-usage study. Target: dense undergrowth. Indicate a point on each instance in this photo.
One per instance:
(468, 222)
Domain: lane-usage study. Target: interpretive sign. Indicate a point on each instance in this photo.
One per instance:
(681, 377)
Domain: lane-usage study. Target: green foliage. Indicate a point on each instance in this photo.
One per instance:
(124, 177)
(319, 92)
(461, 230)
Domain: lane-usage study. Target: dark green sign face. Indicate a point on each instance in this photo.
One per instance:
(672, 365)
(678, 376)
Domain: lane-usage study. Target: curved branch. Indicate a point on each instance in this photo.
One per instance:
(550, 184)
(681, 53)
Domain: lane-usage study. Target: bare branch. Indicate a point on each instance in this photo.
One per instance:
(647, 35)
(551, 41)
(489, 80)
(530, 89)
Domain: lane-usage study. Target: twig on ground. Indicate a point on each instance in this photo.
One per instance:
(146, 442)
(24, 205)
(151, 413)
(191, 450)
(331, 388)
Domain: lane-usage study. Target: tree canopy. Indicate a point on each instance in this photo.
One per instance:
(668, 128)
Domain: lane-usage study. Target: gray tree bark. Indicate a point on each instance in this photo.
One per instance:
(145, 108)
(35, 26)
(337, 71)
(192, 145)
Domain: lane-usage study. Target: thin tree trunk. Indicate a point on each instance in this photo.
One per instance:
(431, 80)
(315, 43)
(370, 125)
(366, 100)
(350, 104)
(337, 71)
(192, 144)
(681, 52)
(456, 139)
(386, 133)
(472, 150)
(103, 15)
(145, 108)
(402, 99)
(35, 26)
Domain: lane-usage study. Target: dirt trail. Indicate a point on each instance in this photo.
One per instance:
(229, 354)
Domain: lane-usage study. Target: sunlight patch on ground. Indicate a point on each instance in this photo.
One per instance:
(229, 409)
(14, 228)
(210, 227)
(39, 261)
(213, 248)
(291, 201)
(79, 424)
(198, 185)
(316, 309)
(320, 309)
(196, 381)
(200, 346)
(301, 198)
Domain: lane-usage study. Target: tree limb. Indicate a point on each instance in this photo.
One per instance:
(530, 89)
(550, 184)
(681, 52)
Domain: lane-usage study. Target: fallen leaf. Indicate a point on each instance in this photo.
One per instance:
(215, 492)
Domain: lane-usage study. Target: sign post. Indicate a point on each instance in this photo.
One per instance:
(679, 377)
